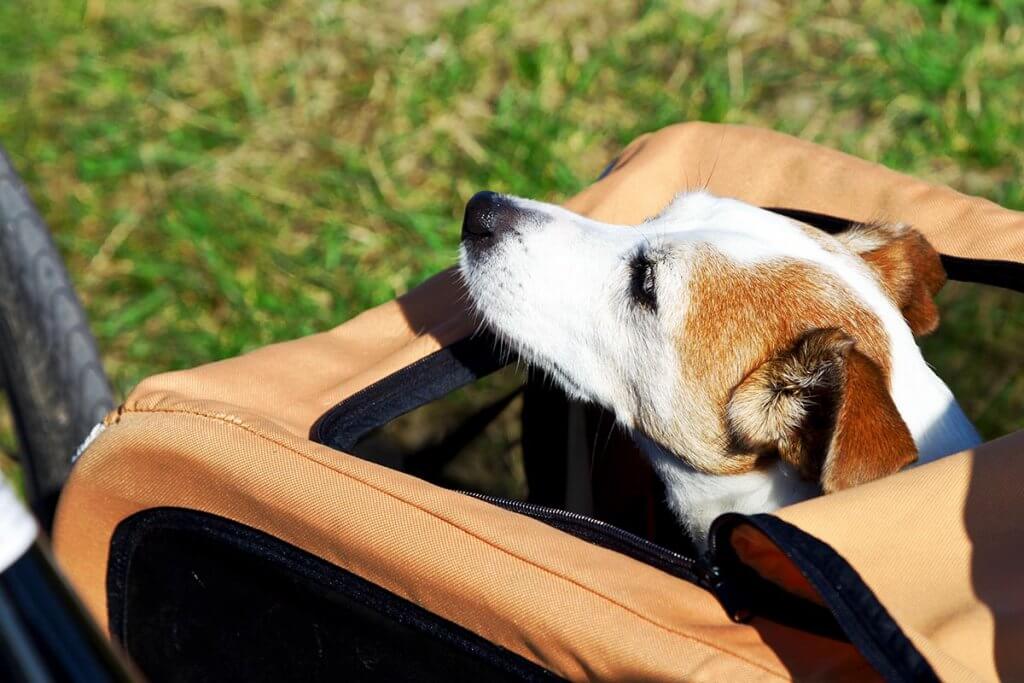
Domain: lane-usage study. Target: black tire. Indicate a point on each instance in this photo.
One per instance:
(52, 371)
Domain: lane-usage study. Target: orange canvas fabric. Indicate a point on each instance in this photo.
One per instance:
(581, 611)
(231, 438)
(774, 170)
(940, 545)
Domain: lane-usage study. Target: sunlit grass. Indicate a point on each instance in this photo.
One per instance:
(225, 174)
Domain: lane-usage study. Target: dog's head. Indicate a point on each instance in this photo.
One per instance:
(723, 332)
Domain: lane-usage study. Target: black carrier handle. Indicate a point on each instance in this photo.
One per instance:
(1005, 274)
(428, 379)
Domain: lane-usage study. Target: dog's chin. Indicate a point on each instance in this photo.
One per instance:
(488, 304)
(507, 341)
(564, 381)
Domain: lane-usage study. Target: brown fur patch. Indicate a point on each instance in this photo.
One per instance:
(738, 317)
(909, 268)
(870, 439)
(788, 405)
(825, 408)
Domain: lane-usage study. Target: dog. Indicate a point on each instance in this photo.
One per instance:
(756, 360)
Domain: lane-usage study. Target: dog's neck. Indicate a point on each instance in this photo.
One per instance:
(935, 420)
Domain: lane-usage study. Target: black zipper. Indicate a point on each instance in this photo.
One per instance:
(730, 593)
(702, 571)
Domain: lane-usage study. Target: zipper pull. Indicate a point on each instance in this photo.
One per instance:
(730, 594)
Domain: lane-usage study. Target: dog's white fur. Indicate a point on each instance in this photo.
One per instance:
(557, 288)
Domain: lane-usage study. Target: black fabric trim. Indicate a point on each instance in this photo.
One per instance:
(264, 548)
(609, 168)
(1005, 274)
(415, 385)
(864, 619)
(822, 221)
(745, 594)
(997, 273)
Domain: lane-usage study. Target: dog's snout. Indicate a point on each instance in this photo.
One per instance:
(487, 214)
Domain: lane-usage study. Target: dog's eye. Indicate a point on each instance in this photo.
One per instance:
(642, 285)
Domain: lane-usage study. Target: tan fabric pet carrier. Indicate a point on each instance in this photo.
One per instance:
(219, 528)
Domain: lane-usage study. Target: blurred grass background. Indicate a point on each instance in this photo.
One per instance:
(222, 174)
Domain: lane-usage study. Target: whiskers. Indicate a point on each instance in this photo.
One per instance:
(703, 186)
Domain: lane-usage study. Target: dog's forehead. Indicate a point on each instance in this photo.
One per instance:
(745, 233)
(773, 275)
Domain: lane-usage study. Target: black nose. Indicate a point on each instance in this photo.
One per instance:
(487, 214)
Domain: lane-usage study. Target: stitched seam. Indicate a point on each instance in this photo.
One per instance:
(252, 430)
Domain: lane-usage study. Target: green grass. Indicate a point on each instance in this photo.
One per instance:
(222, 175)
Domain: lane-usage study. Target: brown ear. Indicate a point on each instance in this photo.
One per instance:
(824, 407)
(908, 266)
